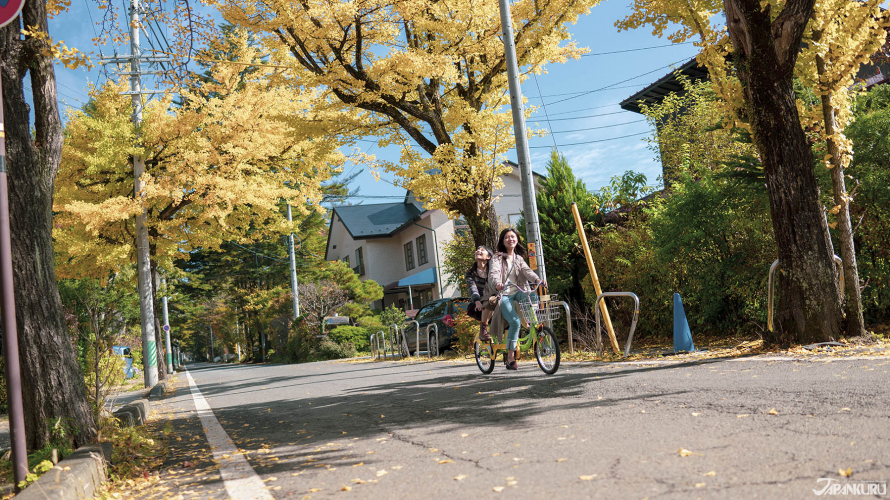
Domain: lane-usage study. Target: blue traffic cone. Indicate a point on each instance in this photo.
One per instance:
(682, 335)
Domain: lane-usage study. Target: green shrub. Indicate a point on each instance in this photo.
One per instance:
(357, 336)
(710, 240)
(328, 349)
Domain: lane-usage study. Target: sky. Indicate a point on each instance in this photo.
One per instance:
(584, 115)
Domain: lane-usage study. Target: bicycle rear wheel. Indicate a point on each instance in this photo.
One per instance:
(485, 355)
(547, 351)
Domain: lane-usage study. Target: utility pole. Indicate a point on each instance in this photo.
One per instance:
(143, 263)
(167, 330)
(529, 203)
(19, 450)
(293, 268)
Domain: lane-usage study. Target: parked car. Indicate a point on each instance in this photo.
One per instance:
(440, 312)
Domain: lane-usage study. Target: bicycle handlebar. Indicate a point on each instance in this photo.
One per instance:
(534, 286)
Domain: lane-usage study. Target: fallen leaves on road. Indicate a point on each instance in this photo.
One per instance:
(845, 473)
(460, 477)
(843, 409)
(695, 414)
(561, 459)
(498, 489)
(742, 415)
(685, 453)
(382, 473)
(445, 462)
(711, 474)
(346, 488)
(587, 478)
(699, 485)
(773, 412)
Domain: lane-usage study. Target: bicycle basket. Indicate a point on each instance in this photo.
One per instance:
(534, 309)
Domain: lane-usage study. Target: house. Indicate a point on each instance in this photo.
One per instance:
(869, 75)
(400, 245)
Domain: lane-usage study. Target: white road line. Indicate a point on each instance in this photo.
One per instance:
(242, 482)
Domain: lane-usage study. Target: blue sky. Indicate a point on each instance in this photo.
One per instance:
(588, 117)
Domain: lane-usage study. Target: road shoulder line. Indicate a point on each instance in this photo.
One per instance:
(242, 482)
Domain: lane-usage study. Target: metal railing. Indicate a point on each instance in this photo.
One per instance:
(771, 291)
(633, 324)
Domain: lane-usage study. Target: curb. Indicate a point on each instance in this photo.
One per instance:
(159, 389)
(133, 414)
(78, 476)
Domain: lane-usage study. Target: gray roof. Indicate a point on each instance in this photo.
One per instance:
(668, 84)
(384, 219)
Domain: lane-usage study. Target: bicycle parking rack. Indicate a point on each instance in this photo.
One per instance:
(376, 340)
(568, 323)
(416, 340)
(771, 292)
(633, 324)
(429, 352)
(400, 335)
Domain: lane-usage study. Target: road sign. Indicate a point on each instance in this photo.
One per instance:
(336, 320)
(166, 327)
(9, 10)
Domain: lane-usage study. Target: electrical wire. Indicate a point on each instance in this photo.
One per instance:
(593, 142)
(258, 253)
(596, 128)
(635, 50)
(622, 81)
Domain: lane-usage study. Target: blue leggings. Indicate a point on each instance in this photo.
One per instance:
(511, 315)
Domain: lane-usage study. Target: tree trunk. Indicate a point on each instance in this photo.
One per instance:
(484, 225)
(854, 323)
(809, 308)
(53, 386)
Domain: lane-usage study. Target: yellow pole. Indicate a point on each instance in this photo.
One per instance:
(595, 278)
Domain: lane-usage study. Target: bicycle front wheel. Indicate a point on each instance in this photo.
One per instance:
(485, 355)
(547, 351)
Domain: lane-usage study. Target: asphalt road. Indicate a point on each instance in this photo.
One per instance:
(732, 428)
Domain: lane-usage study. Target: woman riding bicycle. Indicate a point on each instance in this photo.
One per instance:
(508, 272)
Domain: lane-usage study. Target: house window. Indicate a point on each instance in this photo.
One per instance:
(359, 262)
(513, 219)
(409, 256)
(346, 260)
(421, 250)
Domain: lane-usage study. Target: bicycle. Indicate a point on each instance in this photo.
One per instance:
(535, 310)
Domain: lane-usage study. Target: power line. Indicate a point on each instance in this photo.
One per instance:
(582, 117)
(257, 253)
(635, 50)
(596, 128)
(592, 142)
(617, 83)
(584, 109)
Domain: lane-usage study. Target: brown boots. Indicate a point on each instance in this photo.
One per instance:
(483, 333)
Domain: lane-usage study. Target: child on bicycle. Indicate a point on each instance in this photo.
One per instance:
(507, 272)
(480, 307)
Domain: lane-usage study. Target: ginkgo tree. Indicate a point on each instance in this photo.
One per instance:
(428, 77)
(218, 167)
(754, 52)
